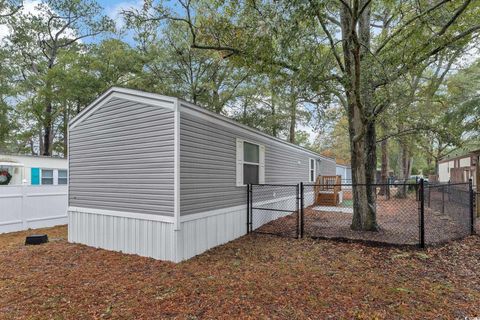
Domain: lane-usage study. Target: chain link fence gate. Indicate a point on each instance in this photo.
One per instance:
(273, 209)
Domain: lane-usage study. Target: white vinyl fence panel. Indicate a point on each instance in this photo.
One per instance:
(24, 207)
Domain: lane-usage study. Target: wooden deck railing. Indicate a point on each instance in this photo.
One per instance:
(327, 189)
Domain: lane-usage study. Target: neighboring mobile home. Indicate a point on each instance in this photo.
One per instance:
(460, 166)
(34, 170)
(344, 171)
(161, 177)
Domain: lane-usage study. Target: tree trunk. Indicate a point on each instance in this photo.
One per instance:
(293, 119)
(402, 170)
(361, 126)
(274, 116)
(218, 107)
(244, 113)
(384, 189)
(65, 131)
(47, 122)
(32, 148)
(40, 140)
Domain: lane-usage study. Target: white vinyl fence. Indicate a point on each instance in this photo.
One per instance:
(24, 207)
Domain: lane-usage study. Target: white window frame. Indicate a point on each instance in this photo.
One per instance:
(310, 169)
(58, 177)
(241, 162)
(41, 176)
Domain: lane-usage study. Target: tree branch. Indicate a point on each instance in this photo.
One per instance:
(454, 18)
(402, 28)
(329, 36)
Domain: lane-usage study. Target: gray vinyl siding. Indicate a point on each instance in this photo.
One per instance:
(122, 158)
(327, 168)
(208, 164)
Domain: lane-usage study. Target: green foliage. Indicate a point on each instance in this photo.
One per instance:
(270, 65)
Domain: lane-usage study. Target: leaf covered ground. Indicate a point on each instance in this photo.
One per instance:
(253, 277)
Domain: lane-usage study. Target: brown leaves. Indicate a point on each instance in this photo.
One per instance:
(252, 277)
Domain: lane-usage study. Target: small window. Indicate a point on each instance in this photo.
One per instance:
(62, 177)
(251, 158)
(250, 163)
(47, 176)
(311, 170)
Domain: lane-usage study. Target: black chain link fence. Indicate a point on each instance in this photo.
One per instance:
(409, 214)
(274, 209)
(448, 212)
(396, 207)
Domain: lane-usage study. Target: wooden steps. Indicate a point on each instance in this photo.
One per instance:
(327, 199)
(327, 189)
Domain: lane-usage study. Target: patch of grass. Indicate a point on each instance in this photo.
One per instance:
(347, 203)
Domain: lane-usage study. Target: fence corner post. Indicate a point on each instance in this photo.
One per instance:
(301, 209)
(472, 213)
(297, 190)
(422, 214)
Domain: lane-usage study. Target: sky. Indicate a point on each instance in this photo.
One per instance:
(111, 7)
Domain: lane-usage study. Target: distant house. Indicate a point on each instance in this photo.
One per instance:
(161, 177)
(459, 166)
(33, 170)
(345, 171)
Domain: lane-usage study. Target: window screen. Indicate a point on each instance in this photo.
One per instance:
(62, 177)
(250, 173)
(47, 176)
(250, 153)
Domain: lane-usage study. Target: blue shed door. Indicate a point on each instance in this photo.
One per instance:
(35, 176)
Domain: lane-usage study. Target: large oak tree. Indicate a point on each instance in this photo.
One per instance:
(358, 49)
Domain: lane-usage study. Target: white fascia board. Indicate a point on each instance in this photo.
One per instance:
(216, 118)
(125, 94)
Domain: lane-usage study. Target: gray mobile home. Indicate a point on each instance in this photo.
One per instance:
(160, 177)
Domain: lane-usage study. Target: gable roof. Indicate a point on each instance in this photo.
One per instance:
(165, 102)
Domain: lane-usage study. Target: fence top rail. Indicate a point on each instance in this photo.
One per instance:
(273, 185)
(362, 184)
(446, 184)
(427, 185)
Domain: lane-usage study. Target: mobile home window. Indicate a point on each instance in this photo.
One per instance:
(250, 163)
(47, 176)
(62, 177)
(251, 158)
(312, 170)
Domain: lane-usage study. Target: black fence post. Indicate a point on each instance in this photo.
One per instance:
(297, 189)
(472, 214)
(248, 208)
(422, 214)
(301, 209)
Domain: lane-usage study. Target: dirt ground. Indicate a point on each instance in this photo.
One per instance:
(256, 277)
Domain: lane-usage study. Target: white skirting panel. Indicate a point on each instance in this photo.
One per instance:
(206, 230)
(157, 238)
(149, 238)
